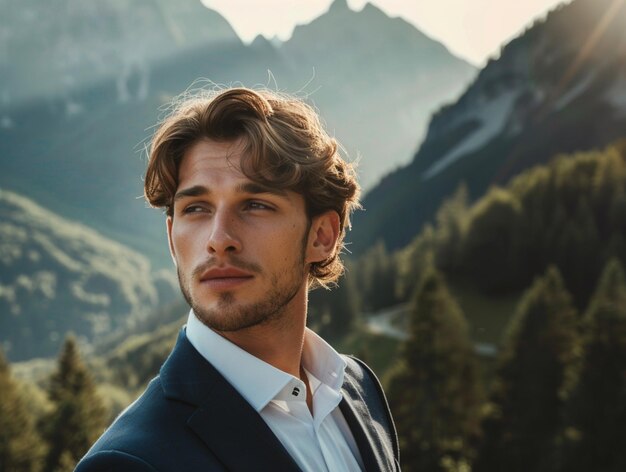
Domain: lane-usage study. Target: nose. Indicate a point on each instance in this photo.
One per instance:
(222, 238)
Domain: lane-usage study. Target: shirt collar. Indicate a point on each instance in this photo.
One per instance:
(321, 360)
(257, 381)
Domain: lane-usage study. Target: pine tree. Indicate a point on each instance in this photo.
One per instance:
(21, 449)
(434, 390)
(78, 415)
(490, 251)
(580, 252)
(451, 218)
(413, 260)
(596, 419)
(526, 405)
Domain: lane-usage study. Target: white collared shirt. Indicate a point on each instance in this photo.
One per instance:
(319, 442)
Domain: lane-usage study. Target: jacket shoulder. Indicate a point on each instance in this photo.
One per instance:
(113, 461)
(136, 438)
(374, 397)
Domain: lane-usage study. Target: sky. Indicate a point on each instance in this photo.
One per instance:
(471, 29)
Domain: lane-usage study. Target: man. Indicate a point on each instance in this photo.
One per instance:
(257, 200)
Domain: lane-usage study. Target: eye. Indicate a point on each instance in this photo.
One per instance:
(256, 205)
(193, 208)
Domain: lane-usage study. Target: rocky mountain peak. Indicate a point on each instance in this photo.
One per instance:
(339, 5)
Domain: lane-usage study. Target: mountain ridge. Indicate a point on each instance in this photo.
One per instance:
(539, 99)
(423, 72)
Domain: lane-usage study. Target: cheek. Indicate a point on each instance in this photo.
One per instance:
(181, 243)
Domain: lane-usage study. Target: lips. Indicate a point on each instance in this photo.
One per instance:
(224, 278)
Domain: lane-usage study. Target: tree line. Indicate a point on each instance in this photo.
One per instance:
(570, 213)
(558, 399)
(59, 436)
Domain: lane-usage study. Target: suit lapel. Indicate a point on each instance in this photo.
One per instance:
(237, 434)
(363, 428)
(223, 419)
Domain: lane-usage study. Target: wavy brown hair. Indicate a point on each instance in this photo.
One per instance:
(285, 147)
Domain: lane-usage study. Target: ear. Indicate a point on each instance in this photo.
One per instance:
(169, 223)
(323, 237)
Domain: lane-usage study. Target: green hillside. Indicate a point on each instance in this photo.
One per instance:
(58, 276)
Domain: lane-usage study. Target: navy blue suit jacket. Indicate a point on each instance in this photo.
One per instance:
(191, 419)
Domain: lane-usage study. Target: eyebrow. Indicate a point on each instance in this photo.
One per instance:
(194, 191)
(247, 187)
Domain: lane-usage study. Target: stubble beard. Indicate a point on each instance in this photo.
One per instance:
(230, 316)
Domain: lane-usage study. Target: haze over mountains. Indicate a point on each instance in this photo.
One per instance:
(558, 88)
(79, 151)
(52, 48)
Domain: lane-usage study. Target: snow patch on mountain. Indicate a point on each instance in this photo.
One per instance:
(574, 92)
(493, 115)
(529, 101)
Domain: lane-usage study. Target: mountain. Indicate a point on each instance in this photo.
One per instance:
(74, 43)
(57, 275)
(81, 152)
(558, 88)
(379, 80)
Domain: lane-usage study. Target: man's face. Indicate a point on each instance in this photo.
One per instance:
(241, 250)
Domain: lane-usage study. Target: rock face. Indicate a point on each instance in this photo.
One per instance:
(558, 88)
(58, 276)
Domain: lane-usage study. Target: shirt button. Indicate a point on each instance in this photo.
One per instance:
(295, 392)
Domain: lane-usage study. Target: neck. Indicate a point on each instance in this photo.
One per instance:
(280, 342)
